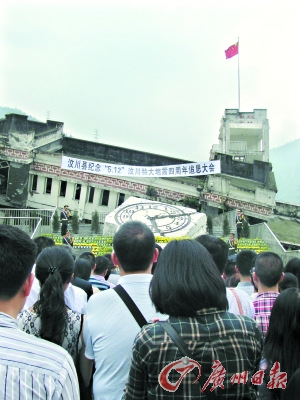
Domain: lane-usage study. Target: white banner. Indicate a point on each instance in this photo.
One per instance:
(190, 169)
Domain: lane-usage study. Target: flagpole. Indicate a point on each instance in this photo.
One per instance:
(239, 73)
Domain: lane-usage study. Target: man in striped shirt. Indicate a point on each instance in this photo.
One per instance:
(30, 367)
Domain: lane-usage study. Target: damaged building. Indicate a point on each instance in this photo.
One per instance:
(32, 176)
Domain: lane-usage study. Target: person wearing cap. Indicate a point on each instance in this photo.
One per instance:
(64, 219)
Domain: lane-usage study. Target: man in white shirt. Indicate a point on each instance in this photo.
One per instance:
(245, 261)
(110, 328)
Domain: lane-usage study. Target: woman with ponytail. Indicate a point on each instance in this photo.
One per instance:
(50, 318)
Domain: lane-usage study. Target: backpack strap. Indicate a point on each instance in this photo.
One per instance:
(130, 304)
(177, 339)
(238, 301)
(174, 335)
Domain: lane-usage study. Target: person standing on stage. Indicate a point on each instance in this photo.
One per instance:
(64, 218)
(239, 223)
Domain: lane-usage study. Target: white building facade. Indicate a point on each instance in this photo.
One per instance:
(31, 175)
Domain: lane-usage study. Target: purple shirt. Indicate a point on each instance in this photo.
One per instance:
(263, 305)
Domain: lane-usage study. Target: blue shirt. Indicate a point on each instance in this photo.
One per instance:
(33, 368)
(99, 283)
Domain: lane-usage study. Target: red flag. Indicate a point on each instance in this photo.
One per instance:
(232, 50)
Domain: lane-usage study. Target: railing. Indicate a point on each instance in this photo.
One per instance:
(37, 231)
(264, 232)
(30, 225)
(261, 231)
(44, 214)
(102, 216)
(31, 221)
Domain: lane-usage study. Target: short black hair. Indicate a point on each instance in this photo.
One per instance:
(186, 280)
(293, 266)
(82, 269)
(229, 269)
(268, 267)
(42, 242)
(102, 263)
(217, 248)
(289, 281)
(88, 255)
(245, 260)
(17, 256)
(134, 245)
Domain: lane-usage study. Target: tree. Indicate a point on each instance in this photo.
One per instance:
(75, 222)
(226, 227)
(191, 202)
(55, 222)
(209, 225)
(151, 191)
(95, 226)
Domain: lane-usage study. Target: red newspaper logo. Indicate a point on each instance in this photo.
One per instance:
(216, 378)
(278, 379)
(257, 378)
(183, 367)
(239, 377)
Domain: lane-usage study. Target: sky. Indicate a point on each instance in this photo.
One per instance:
(152, 75)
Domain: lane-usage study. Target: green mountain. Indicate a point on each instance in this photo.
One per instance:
(10, 110)
(286, 166)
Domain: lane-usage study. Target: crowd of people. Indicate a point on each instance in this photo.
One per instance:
(182, 322)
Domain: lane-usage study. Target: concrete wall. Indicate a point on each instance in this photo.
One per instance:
(287, 210)
(115, 155)
(17, 187)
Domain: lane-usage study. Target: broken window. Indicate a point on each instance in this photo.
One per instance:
(121, 199)
(34, 182)
(105, 197)
(63, 188)
(48, 185)
(91, 194)
(78, 191)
